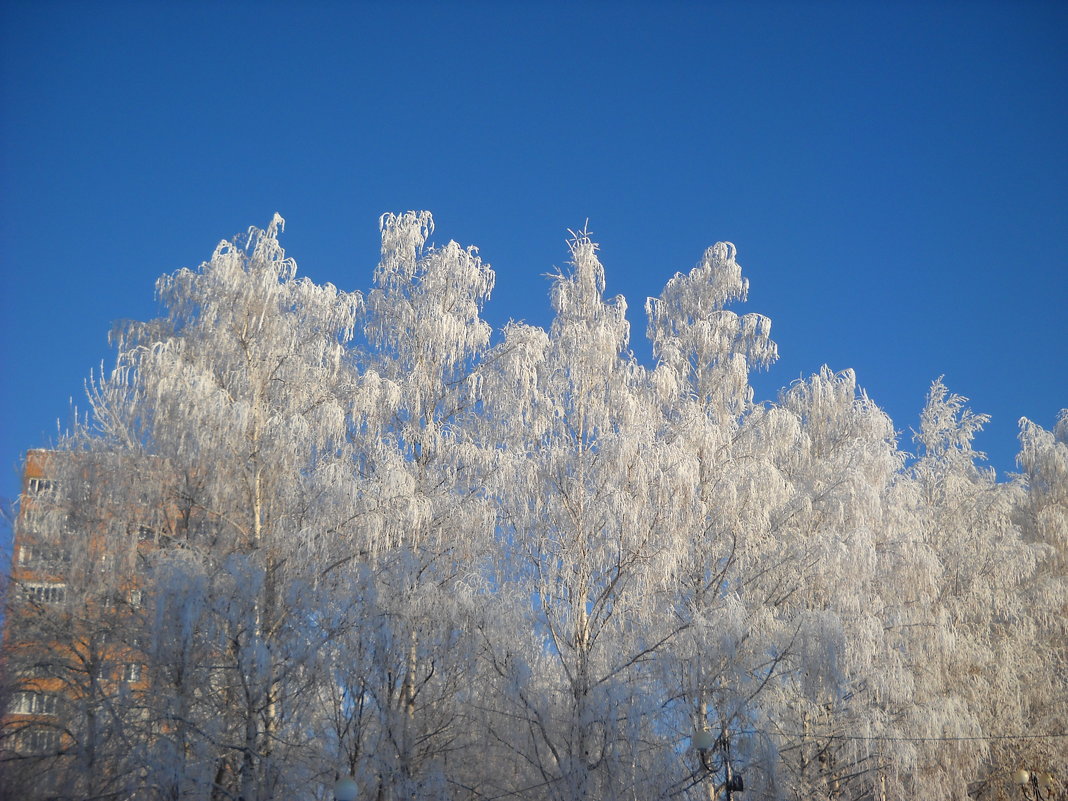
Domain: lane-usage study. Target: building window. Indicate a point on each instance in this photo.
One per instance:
(36, 486)
(135, 640)
(38, 555)
(34, 703)
(45, 592)
(29, 555)
(37, 741)
(131, 672)
(39, 670)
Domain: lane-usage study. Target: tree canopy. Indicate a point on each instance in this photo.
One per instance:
(309, 533)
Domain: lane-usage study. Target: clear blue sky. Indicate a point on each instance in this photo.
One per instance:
(893, 175)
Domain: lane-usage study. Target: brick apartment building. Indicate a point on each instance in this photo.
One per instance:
(70, 643)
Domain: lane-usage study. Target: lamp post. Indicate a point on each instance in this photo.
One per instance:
(1040, 785)
(705, 743)
(346, 789)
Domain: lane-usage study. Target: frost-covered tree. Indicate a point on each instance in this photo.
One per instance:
(401, 703)
(614, 480)
(722, 483)
(582, 497)
(837, 515)
(972, 640)
(240, 395)
(304, 533)
(1043, 515)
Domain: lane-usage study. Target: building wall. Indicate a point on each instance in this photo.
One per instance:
(70, 636)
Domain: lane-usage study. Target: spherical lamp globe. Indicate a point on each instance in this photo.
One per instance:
(703, 739)
(346, 789)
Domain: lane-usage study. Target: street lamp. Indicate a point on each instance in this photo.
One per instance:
(1041, 785)
(705, 742)
(346, 789)
(1047, 782)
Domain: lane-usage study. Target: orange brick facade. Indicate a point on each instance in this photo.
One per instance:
(66, 645)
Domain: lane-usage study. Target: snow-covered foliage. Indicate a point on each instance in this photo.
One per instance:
(310, 533)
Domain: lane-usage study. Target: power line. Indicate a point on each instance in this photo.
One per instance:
(891, 738)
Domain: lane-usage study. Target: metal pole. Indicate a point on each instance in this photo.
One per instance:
(727, 762)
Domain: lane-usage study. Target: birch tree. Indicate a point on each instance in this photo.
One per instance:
(723, 484)
(241, 392)
(976, 660)
(615, 465)
(1043, 516)
(834, 452)
(425, 520)
(582, 496)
